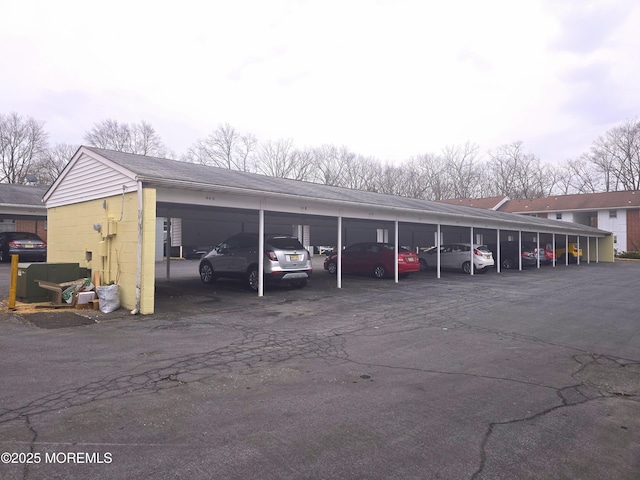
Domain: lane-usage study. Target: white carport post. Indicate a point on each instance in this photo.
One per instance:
(538, 249)
(553, 243)
(397, 251)
(578, 244)
(438, 251)
(597, 253)
(498, 249)
(520, 250)
(566, 251)
(588, 252)
(261, 253)
(471, 251)
(339, 272)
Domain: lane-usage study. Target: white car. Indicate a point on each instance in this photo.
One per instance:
(457, 256)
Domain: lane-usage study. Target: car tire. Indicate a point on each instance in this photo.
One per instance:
(251, 279)
(466, 267)
(423, 265)
(508, 263)
(332, 268)
(379, 271)
(206, 273)
(299, 284)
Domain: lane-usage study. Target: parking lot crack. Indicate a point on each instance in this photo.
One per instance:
(256, 347)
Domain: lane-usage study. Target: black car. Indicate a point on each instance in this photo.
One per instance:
(28, 246)
(510, 253)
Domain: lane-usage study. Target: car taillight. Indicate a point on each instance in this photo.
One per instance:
(477, 252)
(13, 244)
(272, 255)
(400, 258)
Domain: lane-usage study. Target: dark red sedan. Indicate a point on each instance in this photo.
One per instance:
(373, 258)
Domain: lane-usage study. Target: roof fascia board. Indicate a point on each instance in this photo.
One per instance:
(12, 209)
(569, 210)
(363, 210)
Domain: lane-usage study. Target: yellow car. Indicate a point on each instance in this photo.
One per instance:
(574, 253)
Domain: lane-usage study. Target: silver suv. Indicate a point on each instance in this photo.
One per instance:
(285, 260)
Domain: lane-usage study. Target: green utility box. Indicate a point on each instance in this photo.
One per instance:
(27, 290)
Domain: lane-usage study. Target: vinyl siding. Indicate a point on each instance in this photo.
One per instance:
(90, 179)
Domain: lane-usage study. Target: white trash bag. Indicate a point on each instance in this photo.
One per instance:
(108, 298)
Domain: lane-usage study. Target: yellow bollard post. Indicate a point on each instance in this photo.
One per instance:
(13, 282)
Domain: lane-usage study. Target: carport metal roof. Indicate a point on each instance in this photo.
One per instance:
(294, 196)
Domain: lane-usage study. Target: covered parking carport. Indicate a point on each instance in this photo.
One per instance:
(103, 208)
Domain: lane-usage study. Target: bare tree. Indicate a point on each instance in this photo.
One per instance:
(616, 156)
(280, 159)
(519, 174)
(360, 173)
(52, 162)
(431, 174)
(140, 138)
(461, 166)
(225, 147)
(331, 164)
(22, 142)
(578, 176)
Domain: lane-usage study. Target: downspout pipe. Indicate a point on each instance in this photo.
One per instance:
(136, 310)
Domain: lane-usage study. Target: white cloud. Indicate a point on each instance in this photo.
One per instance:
(387, 78)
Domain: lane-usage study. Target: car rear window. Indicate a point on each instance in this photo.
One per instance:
(285, 243)
(25, 236)
(483, 249)
(388, 246)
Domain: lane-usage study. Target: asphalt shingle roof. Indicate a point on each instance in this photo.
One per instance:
(150, 169)
(24, 195)
(583, 201)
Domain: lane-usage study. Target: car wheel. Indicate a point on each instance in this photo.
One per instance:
(332, 268)
(299, 284)
(252, 278)
(466, 267)
(206, 273)
(379, 271)
(508, 263)
(423, 265)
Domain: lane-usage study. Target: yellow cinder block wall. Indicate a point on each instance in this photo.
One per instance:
(71, 235)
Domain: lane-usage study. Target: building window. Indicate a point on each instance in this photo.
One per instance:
(613, 214)
(558, 216)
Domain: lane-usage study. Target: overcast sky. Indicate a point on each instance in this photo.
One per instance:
(388, 79)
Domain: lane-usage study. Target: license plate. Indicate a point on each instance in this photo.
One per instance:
(294, 258)
(410, 259)
(28, 245)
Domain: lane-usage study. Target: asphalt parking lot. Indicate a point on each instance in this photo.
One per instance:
(518, 375)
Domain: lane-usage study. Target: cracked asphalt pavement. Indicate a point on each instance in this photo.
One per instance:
(518, 375)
